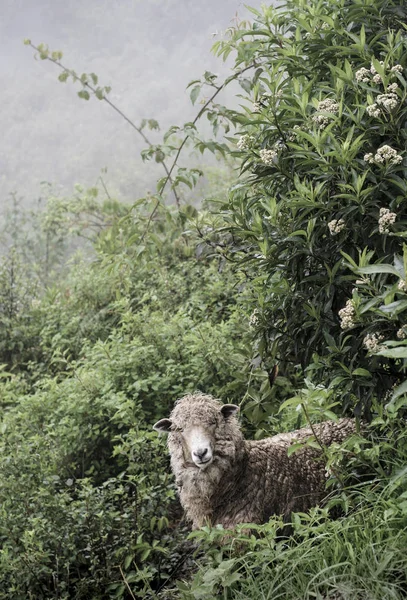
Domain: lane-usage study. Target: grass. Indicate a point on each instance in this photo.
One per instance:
(360, 556)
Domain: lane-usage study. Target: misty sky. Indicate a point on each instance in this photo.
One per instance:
(146, 50)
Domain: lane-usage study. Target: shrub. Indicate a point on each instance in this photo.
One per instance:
(319, 213)
(88, 503)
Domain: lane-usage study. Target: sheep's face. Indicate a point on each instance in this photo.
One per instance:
(196, 430)
(198, 443)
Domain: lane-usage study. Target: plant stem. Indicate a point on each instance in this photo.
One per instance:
(114, 107)
(184, 141)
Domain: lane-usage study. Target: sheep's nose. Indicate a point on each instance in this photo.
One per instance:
(201, 453)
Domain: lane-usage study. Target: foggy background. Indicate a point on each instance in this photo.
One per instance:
(146, 50)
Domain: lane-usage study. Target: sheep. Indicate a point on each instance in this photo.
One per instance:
(222, 478)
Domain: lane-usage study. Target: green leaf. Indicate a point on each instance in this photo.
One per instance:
(372, 269)
(394, 307)
(362, 372)
(84, 94)
(331, 415)
(394, 353)
(294, 447)
(295, 401)
(399, 391)
(195, 93)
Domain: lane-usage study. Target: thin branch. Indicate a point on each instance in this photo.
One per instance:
(200, 113)
(184, 141)
(104, 187)
(114, 107)
(321, 444)
(127, 583)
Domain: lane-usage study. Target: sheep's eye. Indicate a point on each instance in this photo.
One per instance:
(177, 429)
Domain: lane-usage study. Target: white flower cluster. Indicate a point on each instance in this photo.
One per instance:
(244, 142)
(386, 219)
(254, 318)
(402, 285)
(328, 105)
(347, 315)
(371, 342)
(388, 101)
(362, 75)
(402, 333)
(268, 156)
(373, 110)
(256, 107)
(321, 121)
(335, 226)
(376, 77)
(293, 135)
(384, 154)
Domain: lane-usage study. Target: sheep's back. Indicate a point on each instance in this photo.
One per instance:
(295, 482)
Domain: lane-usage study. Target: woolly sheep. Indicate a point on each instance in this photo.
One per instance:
(223, 478)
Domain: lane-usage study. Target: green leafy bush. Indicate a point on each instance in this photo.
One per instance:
(88, 503)
(318, 216)
(311, 243)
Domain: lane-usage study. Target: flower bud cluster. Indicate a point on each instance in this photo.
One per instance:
(402, 285)
(268, 156)
(244, 142)
(373, 110)
(347, 315)
(254, 318)
(388, 101)
(327, 105)
(386, 219)
(362, 75)
(371, 342)
(335, 226)
(402, 333)
(384, 154)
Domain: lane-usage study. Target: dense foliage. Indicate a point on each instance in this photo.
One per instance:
(317, 224)
(318, 217)
(86, 494)
(302, 267)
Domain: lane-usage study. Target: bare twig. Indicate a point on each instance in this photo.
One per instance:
(104, 187)
(184, 141)
(112, 105)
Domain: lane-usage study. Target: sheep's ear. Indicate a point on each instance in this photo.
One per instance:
(163, 426)
(228, 410)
